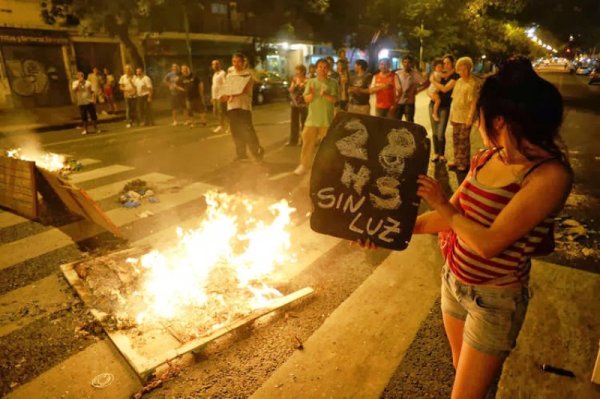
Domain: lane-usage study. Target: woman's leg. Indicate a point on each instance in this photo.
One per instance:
(462, 145)
(294, 125)
(475, 373)
(454, 331)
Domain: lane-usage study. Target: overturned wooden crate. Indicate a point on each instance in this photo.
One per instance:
(34, 192)
(148, 349)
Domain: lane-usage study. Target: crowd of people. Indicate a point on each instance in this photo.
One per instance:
(492, 225)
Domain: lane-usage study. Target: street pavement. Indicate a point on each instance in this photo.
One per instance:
(383, 338)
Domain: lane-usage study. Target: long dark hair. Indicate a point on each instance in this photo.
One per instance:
(531, 106)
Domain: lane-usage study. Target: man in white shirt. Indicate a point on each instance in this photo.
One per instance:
(143, 92)
(239, 111)
(85, 98)
(129, 92)
(219, 107)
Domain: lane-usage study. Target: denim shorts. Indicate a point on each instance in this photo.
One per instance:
(493, 316)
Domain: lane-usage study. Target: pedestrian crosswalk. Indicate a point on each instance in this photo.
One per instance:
(51, 294)
(352, 354)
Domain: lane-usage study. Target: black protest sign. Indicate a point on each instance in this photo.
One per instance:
(364, 179)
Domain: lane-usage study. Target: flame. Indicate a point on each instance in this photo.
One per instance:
(46, 160)
(219, 270)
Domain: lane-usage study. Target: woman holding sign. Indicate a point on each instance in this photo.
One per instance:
(500, 216)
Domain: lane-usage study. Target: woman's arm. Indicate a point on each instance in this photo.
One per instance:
(545, 192)
(445, 88)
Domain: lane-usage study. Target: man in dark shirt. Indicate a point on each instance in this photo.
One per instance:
(191, 89)
(359, 89)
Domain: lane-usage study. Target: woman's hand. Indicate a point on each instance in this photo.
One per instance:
(432, 192)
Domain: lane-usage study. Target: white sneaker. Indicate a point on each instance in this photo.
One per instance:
(300, 170)
(217, 129)
(128, 125)
(84, 132)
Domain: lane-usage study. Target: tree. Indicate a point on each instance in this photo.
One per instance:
(114, 17)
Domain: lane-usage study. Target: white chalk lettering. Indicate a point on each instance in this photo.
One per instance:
(350, 204)
(371, 231)
(353, 145)
(352, 226)
(393, 228)
(382, 229)
(388, 187)
(326, 198)
(356, 180)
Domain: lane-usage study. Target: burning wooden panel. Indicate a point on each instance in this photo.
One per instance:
(78, 201)
(18, 191)
(146, 347)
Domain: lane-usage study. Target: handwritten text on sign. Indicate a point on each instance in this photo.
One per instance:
(364, 179)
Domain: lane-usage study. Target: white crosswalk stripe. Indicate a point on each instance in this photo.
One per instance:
(51, 293)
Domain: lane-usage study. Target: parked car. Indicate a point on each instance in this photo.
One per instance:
(584, 70)
(595, 76)
(268, 87)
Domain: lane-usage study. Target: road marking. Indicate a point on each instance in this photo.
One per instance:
(283, 122)
(33, 302)
(217, 136)
(36, 245)
(332, 364)
(98, 173)
(8, 219)
(88, 161)
(101, 136)
(71, 377)
(280, 176)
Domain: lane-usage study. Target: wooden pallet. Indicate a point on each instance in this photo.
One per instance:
(148, 349)
(18, 191)
(22, 181)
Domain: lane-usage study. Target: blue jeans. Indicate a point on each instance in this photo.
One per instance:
(438, 129)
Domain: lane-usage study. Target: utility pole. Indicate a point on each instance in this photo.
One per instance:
(186, 26)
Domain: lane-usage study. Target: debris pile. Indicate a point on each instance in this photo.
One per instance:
(572, 237)
(135, 192)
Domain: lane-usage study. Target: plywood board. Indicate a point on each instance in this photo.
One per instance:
(18, 191)
(146, 349)
(78, 201)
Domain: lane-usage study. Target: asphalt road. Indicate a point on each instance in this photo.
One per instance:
(39, 312)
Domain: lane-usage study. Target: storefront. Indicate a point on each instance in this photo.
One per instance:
(33, 72)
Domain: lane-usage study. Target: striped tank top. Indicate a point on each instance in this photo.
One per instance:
(482, 204)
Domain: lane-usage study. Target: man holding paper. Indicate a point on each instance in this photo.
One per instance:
(237, 92)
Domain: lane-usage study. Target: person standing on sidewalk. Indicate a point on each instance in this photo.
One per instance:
(144, 92)
(358, 91)
(109, 91)
(343, 83)
(438, 128)
(321, 94)
(463, 113)
(219, 108)
(239, 112)
(128, 89)
(384, 87)
(409, 83)
(299, 111)
(192, 87)
(173, 81)
(500, 216)
(84, 95)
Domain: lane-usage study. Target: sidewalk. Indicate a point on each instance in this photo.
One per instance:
(44, 119)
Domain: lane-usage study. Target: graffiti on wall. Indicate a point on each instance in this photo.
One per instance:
(30, 77)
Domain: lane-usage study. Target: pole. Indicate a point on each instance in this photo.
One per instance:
(186, 25)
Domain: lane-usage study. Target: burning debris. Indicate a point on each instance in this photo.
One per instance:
(215, 274)
(46, 160)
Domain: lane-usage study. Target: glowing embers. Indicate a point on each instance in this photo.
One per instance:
(46, 160)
